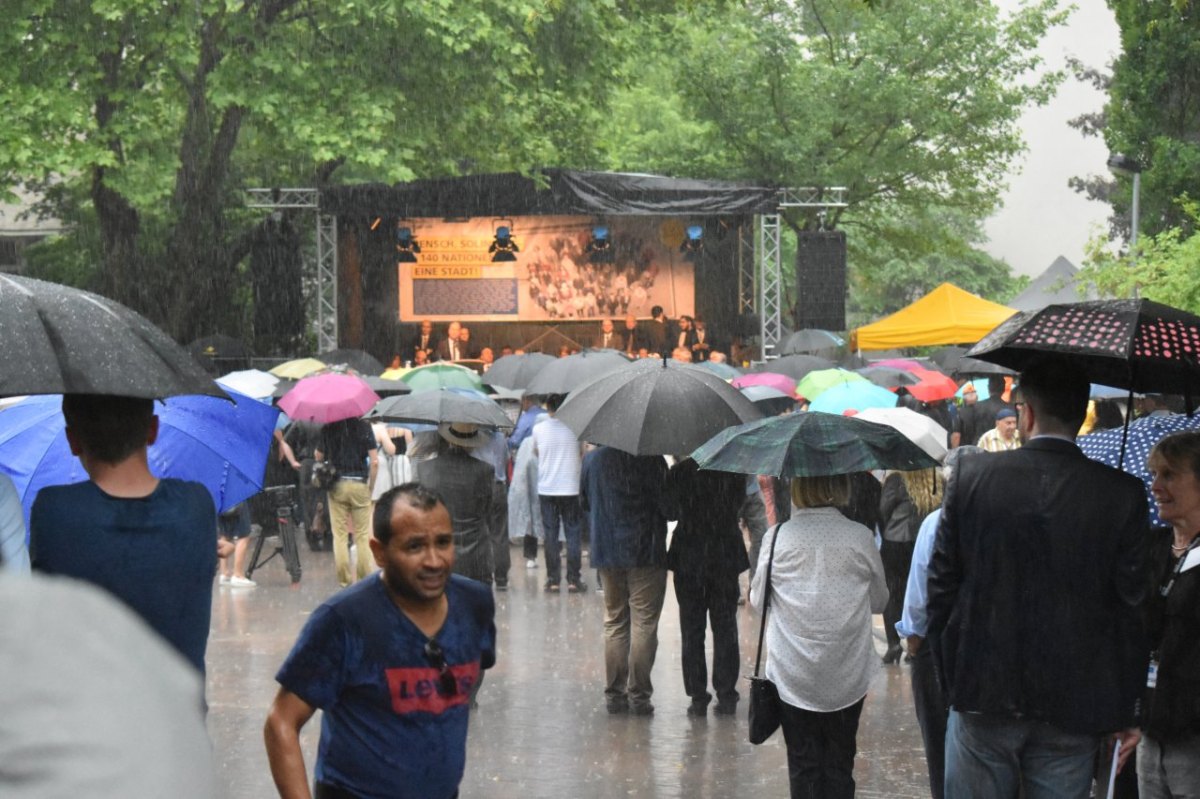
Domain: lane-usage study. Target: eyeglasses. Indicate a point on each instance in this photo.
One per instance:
(437, 658)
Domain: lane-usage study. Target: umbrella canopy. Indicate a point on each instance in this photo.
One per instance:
(298, 368)
(362, 362)
(812, 342)
(721, 370)
(909, 364)
(810, 444)
(1144, 433)
(569, 373)
(918, 428)
(1134, 344)
(222, 444)
(822, 380)
(251, 382)
(948, 357)
(971, 367)
(62, 340)
(781, 383)
(655, 407)
(441, 375)
(770, 401)
(888, 376)
(515, 371)
(442, 405)
(853, 397)
(932, 386)
(386, 387)
(329, 397)
(795, 366)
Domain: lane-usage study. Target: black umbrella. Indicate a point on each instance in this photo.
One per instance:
(888, 376)
(810, 444)
(795, 366)
(385, 387)
(465, 406)
(362, 362)
(948, 357)
(569, 373)
(655, 407)
(60, 340)
(515, 371)
(1133, 344)
(970, 367)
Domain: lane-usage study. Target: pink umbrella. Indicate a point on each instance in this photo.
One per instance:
(776, 381)
(329, 397)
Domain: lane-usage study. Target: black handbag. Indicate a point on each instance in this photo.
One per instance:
(766, 708)
(324, 475)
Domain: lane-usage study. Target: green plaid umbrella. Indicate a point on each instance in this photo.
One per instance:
(808, 445)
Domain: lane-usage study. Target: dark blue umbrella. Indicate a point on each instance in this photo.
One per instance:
(222, 444)
(1144, 433)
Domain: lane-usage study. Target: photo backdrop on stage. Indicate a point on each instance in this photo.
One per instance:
(560, 271)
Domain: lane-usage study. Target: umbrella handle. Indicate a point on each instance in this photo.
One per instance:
(1125, 429)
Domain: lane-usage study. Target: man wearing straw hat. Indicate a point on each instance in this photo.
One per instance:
(464, 485)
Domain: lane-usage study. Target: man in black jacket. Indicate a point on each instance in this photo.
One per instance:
(464, 484)
(1035, 593)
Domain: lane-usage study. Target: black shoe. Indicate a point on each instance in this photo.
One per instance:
(725, 708)
(697, 709)
(893, 655)
(551, 588)
(618, 706)
(644, 709)
(576, 587)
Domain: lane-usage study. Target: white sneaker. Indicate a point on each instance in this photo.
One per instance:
(224, 579)
(531, 564)
(241, 582)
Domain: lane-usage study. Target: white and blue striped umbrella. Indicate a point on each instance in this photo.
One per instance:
(1144, 433)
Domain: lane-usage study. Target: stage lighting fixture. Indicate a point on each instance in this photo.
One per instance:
(406, 245)
(599, 249)
(503, 247)
(693, 240)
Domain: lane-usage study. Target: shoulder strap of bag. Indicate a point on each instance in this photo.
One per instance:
(762, 627)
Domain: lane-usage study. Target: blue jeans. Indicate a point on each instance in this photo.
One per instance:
(565, 509)
(992, 756)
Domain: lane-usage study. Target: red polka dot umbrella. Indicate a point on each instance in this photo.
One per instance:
(1132, 344)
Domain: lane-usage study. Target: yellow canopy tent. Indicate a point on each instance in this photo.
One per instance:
(946, 315)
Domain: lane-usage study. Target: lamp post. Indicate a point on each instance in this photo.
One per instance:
(1124, 165)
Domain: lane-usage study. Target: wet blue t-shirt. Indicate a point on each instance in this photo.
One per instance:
(157, 554)
(388, 731)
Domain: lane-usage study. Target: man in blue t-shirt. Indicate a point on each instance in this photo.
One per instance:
(391, 661)
(151, 543)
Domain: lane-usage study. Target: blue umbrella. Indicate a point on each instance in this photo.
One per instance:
(853, 396)
(222, 444)
(1144, 433)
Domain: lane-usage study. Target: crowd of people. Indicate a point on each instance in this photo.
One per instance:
(1048, 629)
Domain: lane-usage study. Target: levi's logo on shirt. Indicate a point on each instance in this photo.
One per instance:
(419, 689)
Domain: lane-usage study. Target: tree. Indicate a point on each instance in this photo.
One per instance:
(1165, 267)
(911, 106)
(150, 116)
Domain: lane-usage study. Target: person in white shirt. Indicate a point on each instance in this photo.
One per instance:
(560, 460)
(826, 581)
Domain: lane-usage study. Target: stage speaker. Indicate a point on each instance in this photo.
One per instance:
(821, 280)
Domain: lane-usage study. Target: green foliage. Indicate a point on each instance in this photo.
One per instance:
(1165, 267)
(1153, 111)
(912, 106)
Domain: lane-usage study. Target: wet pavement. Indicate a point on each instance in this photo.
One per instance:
(541, 729)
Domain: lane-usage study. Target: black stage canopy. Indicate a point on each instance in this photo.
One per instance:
(565, 192)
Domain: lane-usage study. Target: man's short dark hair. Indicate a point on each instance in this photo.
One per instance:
(109, 429)
(414, 495)
(995, 386)
(552, 401)
(656, 311)
(1057, 388)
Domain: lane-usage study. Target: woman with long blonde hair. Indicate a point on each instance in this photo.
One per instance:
(908, 497)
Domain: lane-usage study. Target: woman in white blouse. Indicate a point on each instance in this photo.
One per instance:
(826, 582)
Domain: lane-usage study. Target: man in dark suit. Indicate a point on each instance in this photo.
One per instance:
(702, 341)
(1035, 593)
(450, 348)
(683, 337)
(607, 338)
(425, 340)
(656, 332)
(631, 338)
(464, 484)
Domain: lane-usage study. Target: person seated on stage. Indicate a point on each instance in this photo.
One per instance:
(464, 339)
(681, 354)
(607, 338)
(450, 349)
(702, 343)
(422, 358)
(717, 356)
(488, 357)
(507, 350)
(150, 542)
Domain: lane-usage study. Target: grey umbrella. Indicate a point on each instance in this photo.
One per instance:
(385, 387)
(655, 407)
(812, 342)
(60, 340)
(795, 366)
(441, 405)
(362, 362)
(569, 373)
(515, 371)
